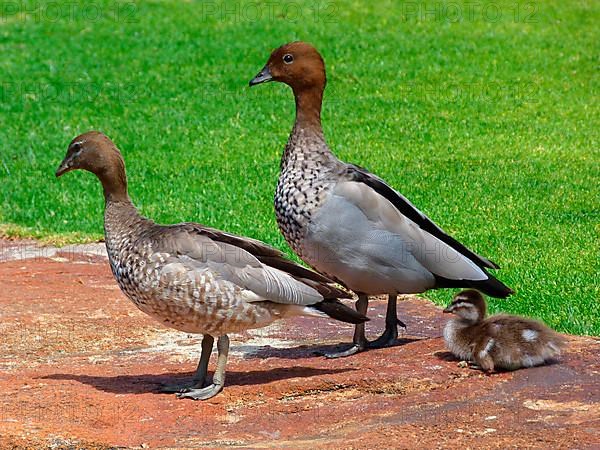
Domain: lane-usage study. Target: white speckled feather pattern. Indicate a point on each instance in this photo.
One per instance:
(308, 173)
(192, 283)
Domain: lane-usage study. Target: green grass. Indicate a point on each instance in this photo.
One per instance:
(489, 123)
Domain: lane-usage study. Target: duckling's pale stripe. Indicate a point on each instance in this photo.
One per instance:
(487, 349)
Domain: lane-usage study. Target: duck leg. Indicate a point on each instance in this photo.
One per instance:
(199, 380)
(359, 343)
(390, 334)
(210, 391)
(481, 355)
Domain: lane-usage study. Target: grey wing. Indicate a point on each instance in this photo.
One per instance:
(344, 243)
(360, 237)
(198, 254)
(410, 211)
(274, 258)
(430, 251)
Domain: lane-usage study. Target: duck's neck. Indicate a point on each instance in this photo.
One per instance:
(307, 141)
(309, 102)
(124, 208)
(114, 182)
(465, 323)
(121, 217)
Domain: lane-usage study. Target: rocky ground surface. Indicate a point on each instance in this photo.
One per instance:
(81, 367)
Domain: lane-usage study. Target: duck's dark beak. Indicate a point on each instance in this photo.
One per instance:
(263, 76)
(448, 309)
(64, 167)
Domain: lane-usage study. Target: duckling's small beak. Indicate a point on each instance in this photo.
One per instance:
(448, 309)
(263, 76)
(64, 167)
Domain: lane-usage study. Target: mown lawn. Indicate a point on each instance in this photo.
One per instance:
(484, 114)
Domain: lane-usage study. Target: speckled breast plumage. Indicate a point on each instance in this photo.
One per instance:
(304, 184)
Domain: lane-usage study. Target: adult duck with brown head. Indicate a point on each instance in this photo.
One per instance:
(194, 278)
(350, 224)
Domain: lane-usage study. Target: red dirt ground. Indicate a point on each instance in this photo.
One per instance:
(80, 367)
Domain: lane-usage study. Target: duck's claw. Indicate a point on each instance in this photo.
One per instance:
(353, 350)
(201, 394)
(389, 336)
(182, 387)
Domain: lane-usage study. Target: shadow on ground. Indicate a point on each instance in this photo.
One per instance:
(145, 383)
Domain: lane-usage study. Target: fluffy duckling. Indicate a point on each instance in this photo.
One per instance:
(349, 224)
(194, 278)
(498, 342)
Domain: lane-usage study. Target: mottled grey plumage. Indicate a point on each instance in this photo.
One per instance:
(501, 341)
(349, 224)
(187, 277)
(194, 278)
(173, 280)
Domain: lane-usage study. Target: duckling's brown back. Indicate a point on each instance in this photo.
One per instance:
(515, 342)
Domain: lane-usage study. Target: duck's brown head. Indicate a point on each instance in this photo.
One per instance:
(297, 64)
(468, 305)
(95, 152)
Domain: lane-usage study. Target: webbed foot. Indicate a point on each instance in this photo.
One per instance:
(353, 350)
(202, 393)
(389, 336)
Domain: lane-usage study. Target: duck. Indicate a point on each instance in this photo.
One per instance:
(194, 278)
(501, 341)
(349, 224)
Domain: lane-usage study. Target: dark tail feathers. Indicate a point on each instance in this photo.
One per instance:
(337, 310)
(491, 286)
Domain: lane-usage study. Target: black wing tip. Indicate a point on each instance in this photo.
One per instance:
(329, 291)
(338, 311)
(494, 288)
(410, 211)
(490, 287)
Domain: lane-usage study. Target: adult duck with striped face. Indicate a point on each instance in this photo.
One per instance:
(351, 225)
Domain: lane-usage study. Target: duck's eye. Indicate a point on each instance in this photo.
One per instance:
(288, 59)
